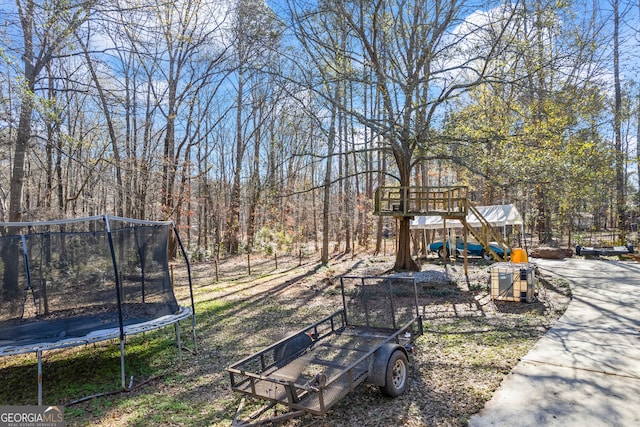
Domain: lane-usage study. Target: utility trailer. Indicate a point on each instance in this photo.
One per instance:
(370, 338)
(604, 250)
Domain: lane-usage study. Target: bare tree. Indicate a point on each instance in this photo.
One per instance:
(413, 50)
(617, 126)
(45, 29)
(253, 39)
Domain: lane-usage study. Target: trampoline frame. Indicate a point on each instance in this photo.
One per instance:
(122, 331)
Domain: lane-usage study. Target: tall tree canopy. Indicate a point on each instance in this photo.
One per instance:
(262, 125)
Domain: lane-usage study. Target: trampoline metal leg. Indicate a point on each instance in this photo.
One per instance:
(193, 330)
(195, 343)
(122, 376)
(179, 342)
(39, 377)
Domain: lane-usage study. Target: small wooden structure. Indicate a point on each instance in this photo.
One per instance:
(448, 202)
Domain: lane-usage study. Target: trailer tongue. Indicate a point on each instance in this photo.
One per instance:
(370, 339)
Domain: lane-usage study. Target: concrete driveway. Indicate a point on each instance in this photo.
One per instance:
(586, 370)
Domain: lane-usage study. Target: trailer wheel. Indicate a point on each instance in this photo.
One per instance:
(294, 345)
(396, 377)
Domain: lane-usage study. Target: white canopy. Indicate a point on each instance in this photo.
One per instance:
(496, 215)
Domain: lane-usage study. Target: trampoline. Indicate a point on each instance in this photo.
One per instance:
(73, 282)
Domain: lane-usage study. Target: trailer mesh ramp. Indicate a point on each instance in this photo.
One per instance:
(384, 302)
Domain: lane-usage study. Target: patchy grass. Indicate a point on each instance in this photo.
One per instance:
(470, 343)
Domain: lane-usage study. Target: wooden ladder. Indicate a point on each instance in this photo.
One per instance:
(487, 234)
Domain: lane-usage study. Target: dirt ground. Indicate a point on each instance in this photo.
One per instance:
(470, 342)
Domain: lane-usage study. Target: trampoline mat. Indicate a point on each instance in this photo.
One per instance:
(57, 326)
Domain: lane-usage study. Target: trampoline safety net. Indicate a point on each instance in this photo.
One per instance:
(63, 279)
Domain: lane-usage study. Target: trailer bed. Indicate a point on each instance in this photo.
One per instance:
(323, 374)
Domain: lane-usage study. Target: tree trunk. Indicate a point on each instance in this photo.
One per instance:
(347, 194)
(19, 158)
(326, 203)
(381, 181)
(120, 200)
(404, 261)
(168, 171)
(255, 186)
(10, 254)
(638, 151)
(619, 156)
(233, 221)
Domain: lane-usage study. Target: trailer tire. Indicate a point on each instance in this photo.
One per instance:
(397, 374)
(292, 346)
